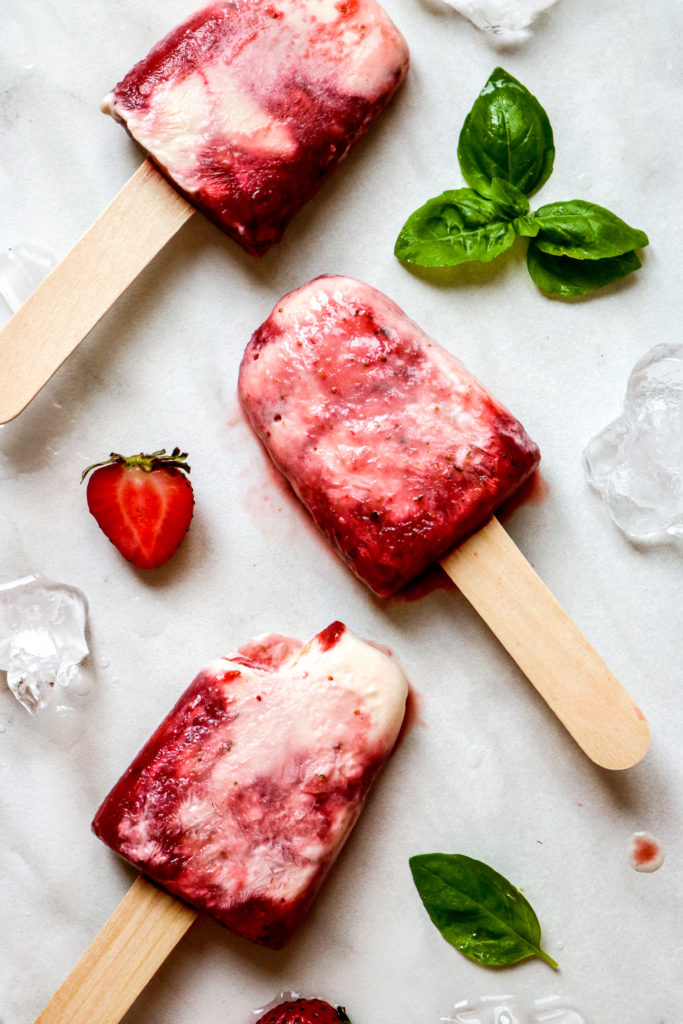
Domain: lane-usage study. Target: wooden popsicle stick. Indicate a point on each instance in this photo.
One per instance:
(570, 676)
(78, 292)
(115, 968)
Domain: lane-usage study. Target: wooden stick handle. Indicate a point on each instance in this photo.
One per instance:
(79, 291)
(115, 968)
(587, 698)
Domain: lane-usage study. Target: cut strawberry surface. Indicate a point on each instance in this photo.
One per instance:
(304, 1011)
(142, 503)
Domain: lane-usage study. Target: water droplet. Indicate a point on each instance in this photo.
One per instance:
(475, 755)
(80, 685)
(644, 852)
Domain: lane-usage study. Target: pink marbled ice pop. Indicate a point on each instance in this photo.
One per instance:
(394, 448)
(242, 799)
(247, 106)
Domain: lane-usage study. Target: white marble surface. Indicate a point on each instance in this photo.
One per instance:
(487, 771)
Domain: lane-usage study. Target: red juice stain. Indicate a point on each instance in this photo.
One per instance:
(268, 652)
(236, 416)
(266, 497)
(645, 853)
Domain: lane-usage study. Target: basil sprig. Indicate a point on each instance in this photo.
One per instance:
(506, 135)
(561, 275)
(477, 910)
(506, 152)
(456, 227)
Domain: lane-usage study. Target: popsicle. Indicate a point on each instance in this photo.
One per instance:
(239, 804)
(245, 109)
(401, 457)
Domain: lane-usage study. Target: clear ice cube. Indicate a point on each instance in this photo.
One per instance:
(22, 268)
(508, 21)
(504, 1009)
(42, 637)
(636, 463)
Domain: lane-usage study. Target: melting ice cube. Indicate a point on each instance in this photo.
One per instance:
(636, 463)
(508, 21)
(487, 1010)
(22, 268)
(42, 637)
(505, 1009)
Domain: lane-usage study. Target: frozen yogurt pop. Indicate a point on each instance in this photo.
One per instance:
(401, 456)
(245, 794)
(392, 445)
(245, 109)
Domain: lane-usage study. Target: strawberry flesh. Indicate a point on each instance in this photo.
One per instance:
(304, 1011)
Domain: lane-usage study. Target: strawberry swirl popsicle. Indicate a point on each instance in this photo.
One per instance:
(248, 105)
(391, 444)
(243, 797)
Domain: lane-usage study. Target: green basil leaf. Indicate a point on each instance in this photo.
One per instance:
(584, 231)
(506, 135)
(477, 910)
(511, 201)
(526, 227)
(453, 228)
(562, 275)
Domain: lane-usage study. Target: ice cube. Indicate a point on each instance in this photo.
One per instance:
(504, 1009)
(501, 1009)
(636, 463)
(22, 268)
(42, 637)
(507, 21)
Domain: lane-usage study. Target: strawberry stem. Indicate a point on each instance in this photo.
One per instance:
(155, 460)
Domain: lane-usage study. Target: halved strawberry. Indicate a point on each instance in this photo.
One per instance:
(143, 503)
(304, 1011)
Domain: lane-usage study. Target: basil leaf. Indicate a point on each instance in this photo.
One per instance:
(452, 228)
(477, 910)
(562, 275)
(506, 135)
(511, 201)
(584, 231)
(526, 227)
